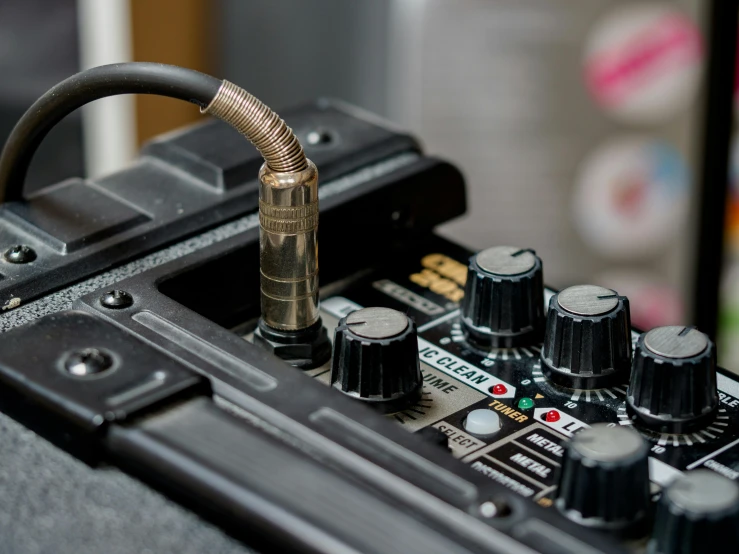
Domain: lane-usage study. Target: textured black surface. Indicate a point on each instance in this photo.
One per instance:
(54, 504)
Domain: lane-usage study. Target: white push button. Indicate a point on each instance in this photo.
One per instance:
(482, 422)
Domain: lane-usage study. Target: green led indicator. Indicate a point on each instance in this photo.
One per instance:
(525, 404)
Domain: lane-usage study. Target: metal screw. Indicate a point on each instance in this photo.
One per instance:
(492, 509)
(89, 361)
(20, 254)
(117, 300)
(319, 137)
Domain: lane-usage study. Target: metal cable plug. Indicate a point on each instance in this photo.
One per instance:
(288, 231)
(290, 326)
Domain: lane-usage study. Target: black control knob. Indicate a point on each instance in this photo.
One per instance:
(503, 303)
(673, 380)
(376, 359)
(604, 479)
(699, 512)
(587, 344)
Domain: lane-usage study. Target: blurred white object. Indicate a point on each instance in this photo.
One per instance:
(500, 88)
(109, 124)
(631, 198)
(643, 62)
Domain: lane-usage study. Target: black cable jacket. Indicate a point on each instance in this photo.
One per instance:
(82, 88)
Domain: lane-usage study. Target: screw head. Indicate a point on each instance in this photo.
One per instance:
(117, 300)
(494, 509)
(19, 254)
(87, 362)
(319, 137)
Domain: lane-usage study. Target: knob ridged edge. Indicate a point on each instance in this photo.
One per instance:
(698, 512)
(503, 311)
(587, 352)
(604, 479)
(383, 372)
(672, 395)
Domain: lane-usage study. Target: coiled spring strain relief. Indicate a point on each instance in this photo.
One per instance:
(276, 142)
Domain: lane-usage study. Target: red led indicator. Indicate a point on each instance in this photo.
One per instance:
(498, 389)
(552, 416)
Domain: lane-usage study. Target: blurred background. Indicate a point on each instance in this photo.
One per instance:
(578, 123)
